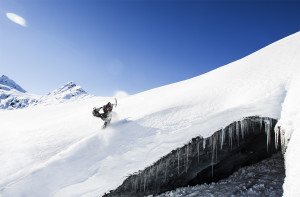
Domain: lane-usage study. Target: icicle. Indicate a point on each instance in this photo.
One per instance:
(271, 124)
(283, 140)
(261, 123)
(230, 134)
(213, 144)
(187, 158)
(204, 140)
(178, 152)
(244, 128)
(148, 178)
(156, 175)
(216, 147)
(267, 131)
(237, 132)
(222, 138)
(198, 149)
(135, 183)
(253, 124)
(145, 180)
(277, 131)
(166, 169)
(212, 162)
(174, 159)
(132, 183)
(140, 184)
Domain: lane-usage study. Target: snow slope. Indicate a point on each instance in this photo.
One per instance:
(60, 150)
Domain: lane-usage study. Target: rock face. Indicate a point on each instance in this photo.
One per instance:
(206, 160)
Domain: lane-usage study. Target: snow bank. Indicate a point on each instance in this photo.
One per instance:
(289, 129)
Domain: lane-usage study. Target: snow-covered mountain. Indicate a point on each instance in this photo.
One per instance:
(8, 84)
(60, 150)
(12, 96)
(68, 91)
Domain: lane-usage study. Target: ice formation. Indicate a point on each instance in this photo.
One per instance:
(232, 136)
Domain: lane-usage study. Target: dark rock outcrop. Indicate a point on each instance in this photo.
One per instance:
(206, 160)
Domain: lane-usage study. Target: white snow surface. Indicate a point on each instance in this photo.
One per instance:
(61, 150)
(289, 124)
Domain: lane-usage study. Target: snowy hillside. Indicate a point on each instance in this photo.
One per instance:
(60, 150)
(12, 96)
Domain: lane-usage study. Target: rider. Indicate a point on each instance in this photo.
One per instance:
(107, 109)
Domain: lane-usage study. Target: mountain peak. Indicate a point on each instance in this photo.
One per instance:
(4, 80)
(68, 86)
(71, 83)
(68, 90)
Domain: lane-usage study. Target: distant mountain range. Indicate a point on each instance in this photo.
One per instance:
(13, 96)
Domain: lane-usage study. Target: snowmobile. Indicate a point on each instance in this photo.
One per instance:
(106, 116)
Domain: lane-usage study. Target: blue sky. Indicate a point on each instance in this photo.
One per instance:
(109, 45)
